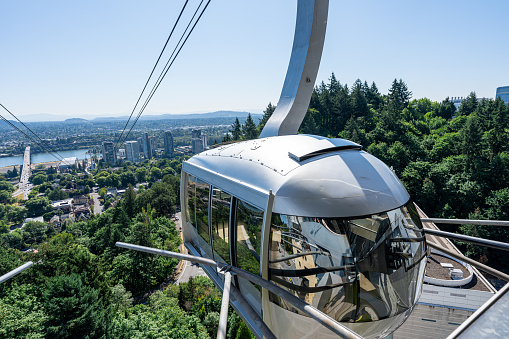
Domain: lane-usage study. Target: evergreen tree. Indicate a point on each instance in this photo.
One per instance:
(358, 102)
(468, 105)
(74, 309)
(399, 96)
(446, 109)
(266, 115)
(227, 137)
(236, 130)
(249, 129)
(129, 201)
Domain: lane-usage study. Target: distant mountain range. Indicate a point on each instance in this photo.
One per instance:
(218, 114)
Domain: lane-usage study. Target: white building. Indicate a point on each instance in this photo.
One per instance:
(132, 151)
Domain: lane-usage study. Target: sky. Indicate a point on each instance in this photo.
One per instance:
(91, 58)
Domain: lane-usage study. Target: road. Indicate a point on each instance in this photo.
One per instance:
(98, 208)
(189, 270)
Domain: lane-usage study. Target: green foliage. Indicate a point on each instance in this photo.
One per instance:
(249, 129)
(39, 179)
(161, 318)
(74, 309)
(236, 131)
(38, 206)
(22, 314)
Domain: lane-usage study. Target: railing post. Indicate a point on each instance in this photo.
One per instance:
(225, 302)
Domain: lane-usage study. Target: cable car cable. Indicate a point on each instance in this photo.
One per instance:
(151, 73)
(21, 122)
(30, 138)
(167, 67)
(154, 89)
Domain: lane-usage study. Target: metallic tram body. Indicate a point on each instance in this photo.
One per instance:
(319, 217)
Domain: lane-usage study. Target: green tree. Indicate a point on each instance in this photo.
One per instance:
(468, 105)
(39, 179)
(236, 130)
(127, 178)
(22, 314)
(74, 309)
(266, 116)
(399, 96)
(249, 129)
(141, 174)
(155, 173)
(113, 180)
(129, 201)
(38, 206)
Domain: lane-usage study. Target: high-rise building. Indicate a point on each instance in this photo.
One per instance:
(204, 141)
(196, 141)
(140, 144)
(503, 93)
(147, 147)
(197, 145)
(109, 154)
(153, 145)
(132, 151)
(168, 143)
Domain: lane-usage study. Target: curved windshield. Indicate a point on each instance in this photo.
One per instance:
(353, 269)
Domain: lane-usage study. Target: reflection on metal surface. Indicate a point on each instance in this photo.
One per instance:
(220, 228)
(356, 270)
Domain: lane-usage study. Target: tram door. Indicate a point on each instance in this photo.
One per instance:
(226, 229)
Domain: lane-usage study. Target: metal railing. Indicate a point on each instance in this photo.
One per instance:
(466, 238)
(466, 222)
(12, 273)
(298, 303)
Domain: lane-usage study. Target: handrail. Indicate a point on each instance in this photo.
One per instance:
(466, 222)
(15, 271)
(301, 305)
(466, 238)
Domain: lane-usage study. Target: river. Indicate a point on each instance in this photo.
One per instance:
(43, 157)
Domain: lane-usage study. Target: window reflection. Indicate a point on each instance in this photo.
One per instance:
(249, 229)
(249, 223)
(202, 215)
(191, 191)
(220, 222)
(356, 269)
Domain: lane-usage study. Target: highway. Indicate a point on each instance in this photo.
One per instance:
(25, 174)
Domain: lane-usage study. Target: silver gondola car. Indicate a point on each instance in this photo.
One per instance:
(319, 217)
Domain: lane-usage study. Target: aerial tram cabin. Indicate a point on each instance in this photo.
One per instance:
(318, 217)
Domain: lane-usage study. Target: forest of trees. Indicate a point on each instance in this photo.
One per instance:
(83, 286)
(454, 163)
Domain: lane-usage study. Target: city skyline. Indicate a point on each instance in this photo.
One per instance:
(75, 60)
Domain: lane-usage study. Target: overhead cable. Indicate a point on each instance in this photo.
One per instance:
(169, 63)
(30, 138)
(21, 122)
(151, 73)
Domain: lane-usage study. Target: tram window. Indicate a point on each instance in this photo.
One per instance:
(202, 215)
(191, 191)
(220, 225)
(249, 229)
(353, 269)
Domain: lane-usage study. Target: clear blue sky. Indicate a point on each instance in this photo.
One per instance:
(92, 58)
